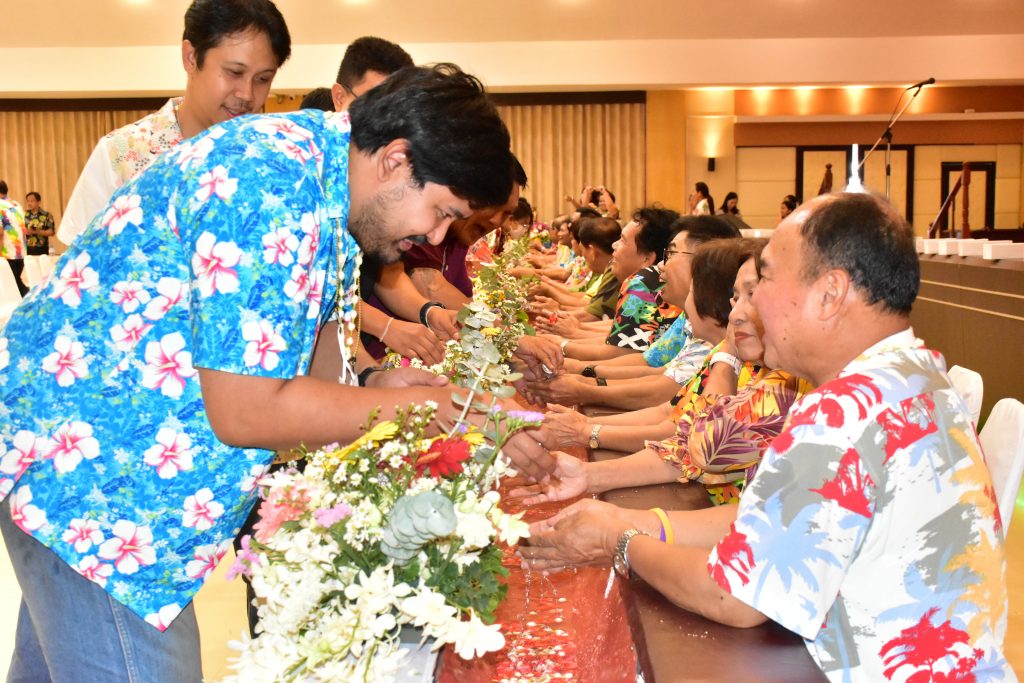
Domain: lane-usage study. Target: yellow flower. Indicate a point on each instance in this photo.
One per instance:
(490, 331)
(382, 431)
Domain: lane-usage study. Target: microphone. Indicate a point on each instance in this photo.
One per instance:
(922, 84)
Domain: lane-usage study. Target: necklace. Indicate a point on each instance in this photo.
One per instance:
(347, 307)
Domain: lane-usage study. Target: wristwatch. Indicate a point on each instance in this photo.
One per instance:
(589, 371)
(729, 359)
(425, 308)
(365, 374)
(595, 437)
(620, 561)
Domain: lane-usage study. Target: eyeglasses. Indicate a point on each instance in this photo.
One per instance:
(669, 253)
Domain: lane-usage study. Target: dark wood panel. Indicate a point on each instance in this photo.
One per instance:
(972, 311)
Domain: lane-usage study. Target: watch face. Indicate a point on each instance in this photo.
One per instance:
(593, 442)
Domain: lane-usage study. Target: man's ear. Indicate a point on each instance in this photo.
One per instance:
(189, 58)
(340, 97)
(833, 288)
(392, 161)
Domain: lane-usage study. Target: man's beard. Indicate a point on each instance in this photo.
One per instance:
(370, 226)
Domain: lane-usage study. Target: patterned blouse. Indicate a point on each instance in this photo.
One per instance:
(221, 255)
(719, 441)
(12, 221)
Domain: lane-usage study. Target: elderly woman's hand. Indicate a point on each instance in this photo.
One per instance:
(582, 534)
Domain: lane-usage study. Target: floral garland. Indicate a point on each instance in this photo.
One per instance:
(395, 529)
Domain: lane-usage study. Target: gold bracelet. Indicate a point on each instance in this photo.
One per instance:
(667, 533)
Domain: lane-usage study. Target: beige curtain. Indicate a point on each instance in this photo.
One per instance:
(564, 146)
(44, 151)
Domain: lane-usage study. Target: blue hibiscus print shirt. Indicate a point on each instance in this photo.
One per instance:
(222, 255)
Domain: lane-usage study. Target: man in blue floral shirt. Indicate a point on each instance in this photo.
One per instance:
(147, 383)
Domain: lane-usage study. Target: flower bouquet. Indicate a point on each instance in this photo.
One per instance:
(395, 529)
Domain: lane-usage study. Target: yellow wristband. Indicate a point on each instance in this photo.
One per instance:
(667, 533)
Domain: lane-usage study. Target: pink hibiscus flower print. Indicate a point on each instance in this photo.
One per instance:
(163, 618)
(201, 510)
(292, 150)
(67, 363)
(125, 211)
(214, 265)
(297, 288)
(128, 334)
(278, 246)
(130, 547)
(72, 443)
(91, 568)
(206, 559)
(310, 225)
(129, 295)
(284, 128)
(193, 152)
(168, 365)
(76, 277)
(27, 516)
(26, 449)
(316, 294)
(264, 344)
(83, 534)
(216, 182)
(171, 454)
(169, 292)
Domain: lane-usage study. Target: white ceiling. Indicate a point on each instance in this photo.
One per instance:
(81, 48)
(31, 23)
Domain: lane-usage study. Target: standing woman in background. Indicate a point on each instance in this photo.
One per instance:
(705, 205)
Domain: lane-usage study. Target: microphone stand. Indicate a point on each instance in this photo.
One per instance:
(887, 136)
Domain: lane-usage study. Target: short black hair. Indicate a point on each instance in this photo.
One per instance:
(700, 229)
(35, 194)
(523, 213)
(318, 98)
(599, 232)
(207, 22)
(370, 53)
(655, 230)
(587, 212)
(518, 172)
(455, 135)
(714, 269)
(790, 202)
(3, 187)
(864, 235)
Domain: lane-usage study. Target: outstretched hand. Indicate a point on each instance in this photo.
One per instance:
(568, 480)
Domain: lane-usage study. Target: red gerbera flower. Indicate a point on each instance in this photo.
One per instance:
(444, 457)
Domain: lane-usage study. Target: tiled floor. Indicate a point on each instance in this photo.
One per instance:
(222, 618)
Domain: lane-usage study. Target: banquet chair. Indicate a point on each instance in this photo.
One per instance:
(10, 296)
(45, 264)
(971, 388)
(1002, 440)
(33, 273)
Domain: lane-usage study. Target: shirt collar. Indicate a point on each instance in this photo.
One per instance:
(337, 137)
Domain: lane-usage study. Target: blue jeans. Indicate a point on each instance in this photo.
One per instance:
(71, 630)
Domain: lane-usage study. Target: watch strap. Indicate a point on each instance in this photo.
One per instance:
(727, 358)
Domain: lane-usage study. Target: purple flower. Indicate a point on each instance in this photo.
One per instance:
(243, 560)
(526, 415)
(328, 517)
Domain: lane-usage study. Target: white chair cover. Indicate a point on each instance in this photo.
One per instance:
(46, 264)
(970, 386)
(1002, 439)
(10, 296)
(33, 273)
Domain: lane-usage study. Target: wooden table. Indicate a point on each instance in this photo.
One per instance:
(673, 644)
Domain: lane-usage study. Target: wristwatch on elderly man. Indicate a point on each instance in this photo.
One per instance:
(620, 560)
(594, 441)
